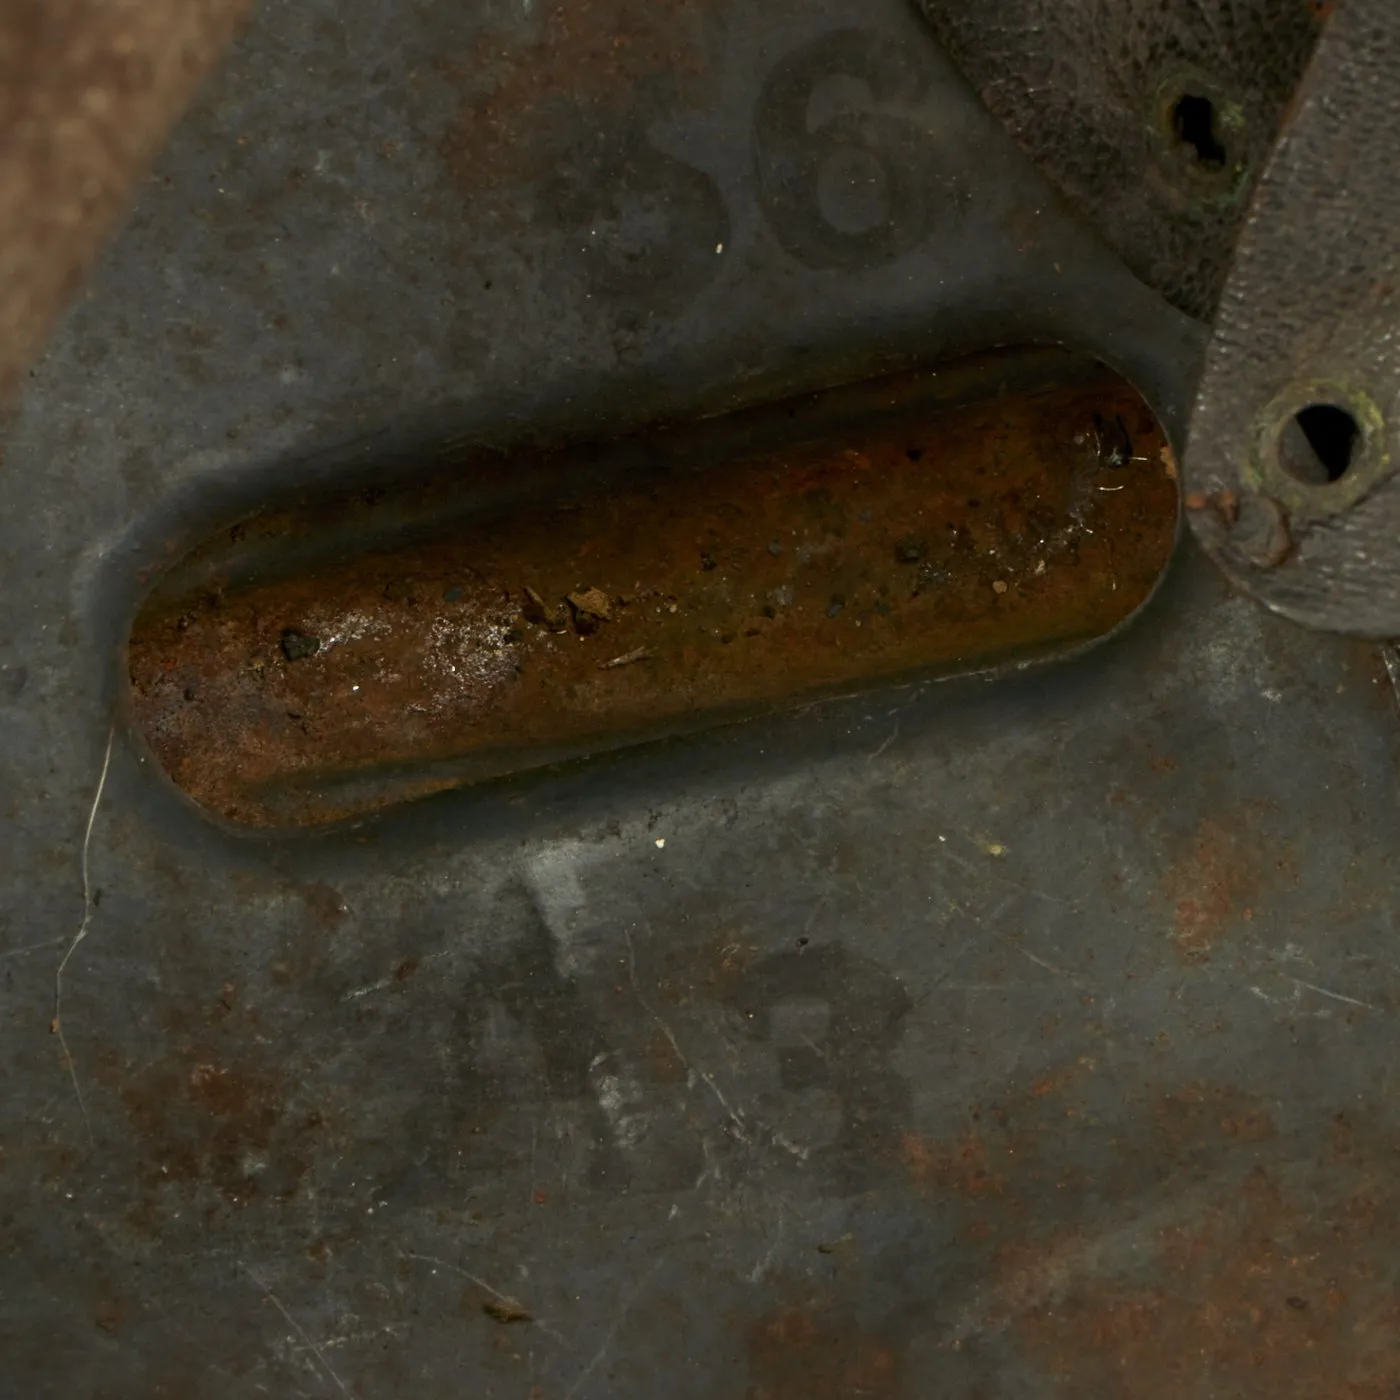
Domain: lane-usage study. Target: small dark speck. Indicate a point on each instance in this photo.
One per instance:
(911, 549)
(297, 646)
(96, 898)
(1298, 1304)
(707, 561)
(727, 638)
(453, 594)
(15, 678)
(837, 603)
(775, 549)
(293, 714)
(803, 941)
(914, 454)
(769, 612)
(506, 1310)
(189, 692)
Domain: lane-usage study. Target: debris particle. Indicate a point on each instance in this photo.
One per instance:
(707, 561)
(1169, 461)
(660, 843)
(297, 646)
(592, 608)
(999, 587)
(911, 549)
(538, 612)
(1297, 1304)
(641, 654)
(507, 1310)
(592, 600)
(837, 604)
(995, 849)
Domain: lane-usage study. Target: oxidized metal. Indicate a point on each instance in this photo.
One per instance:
(912, 526)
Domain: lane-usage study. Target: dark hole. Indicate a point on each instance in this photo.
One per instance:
(1319, 444)
(1193, 121)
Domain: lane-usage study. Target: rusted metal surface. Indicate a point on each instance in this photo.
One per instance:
(911, 535)
(952, 1028)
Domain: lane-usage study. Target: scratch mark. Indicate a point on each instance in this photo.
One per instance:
(760, 1270)
(1048, 966)
(641, 654)
(486, 1288)
(31, 948)
(301, 1332)
(1336, 996)
(383, 984)
(735, 1117)
(612, 1332)
(393, 980)
(88, 908)
(534, 1143)
(894, 734)
(1390, 654)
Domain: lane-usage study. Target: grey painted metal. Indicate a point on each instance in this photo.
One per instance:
(938, 1015)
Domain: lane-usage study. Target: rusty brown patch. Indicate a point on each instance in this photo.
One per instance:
(964, 1166)
(1211, 885)
(663, 1060)
(324, 903)
(888, 534)
(588, 66)
(816, 1354)
(202, 1122)
(1266, 1292)
(1199, 1112)
(109, 1315)
(1214, 1276)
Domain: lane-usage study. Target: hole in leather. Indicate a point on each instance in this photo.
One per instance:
(1193, 123)
(1319, 443)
